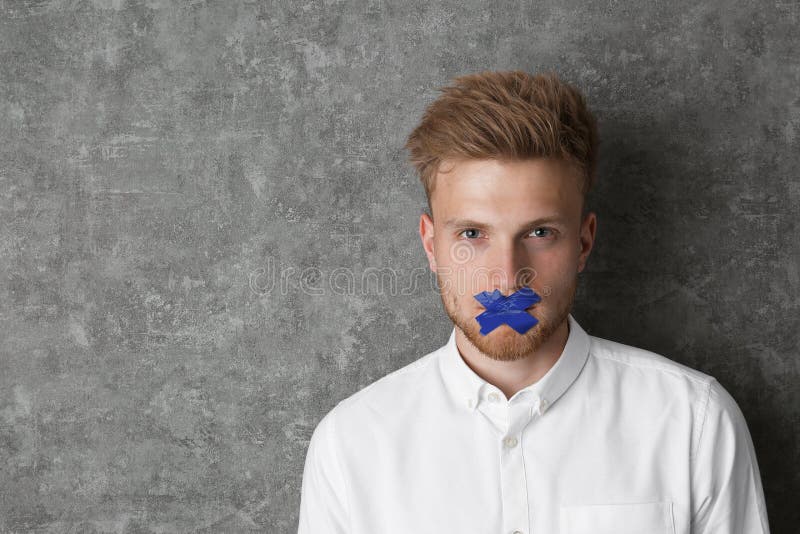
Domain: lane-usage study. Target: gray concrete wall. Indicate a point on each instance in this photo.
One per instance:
(177, 178)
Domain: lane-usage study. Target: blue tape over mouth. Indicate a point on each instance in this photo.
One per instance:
(508, 310)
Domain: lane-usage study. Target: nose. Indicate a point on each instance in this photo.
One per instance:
(509, 269)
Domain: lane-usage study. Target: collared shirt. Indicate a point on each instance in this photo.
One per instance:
(612, 440)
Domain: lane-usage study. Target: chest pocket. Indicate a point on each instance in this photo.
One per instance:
(638, 518)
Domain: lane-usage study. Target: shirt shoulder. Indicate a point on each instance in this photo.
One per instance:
(648, 385)
(620, 355)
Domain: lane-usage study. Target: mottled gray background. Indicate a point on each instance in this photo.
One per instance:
(180, 179)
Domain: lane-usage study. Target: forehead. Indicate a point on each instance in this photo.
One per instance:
(506, 189)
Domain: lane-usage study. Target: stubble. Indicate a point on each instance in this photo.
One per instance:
(504, 343)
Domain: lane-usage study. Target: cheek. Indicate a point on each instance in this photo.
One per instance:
(440, 251)
(462, 282)
(456, 260)
(556, 269)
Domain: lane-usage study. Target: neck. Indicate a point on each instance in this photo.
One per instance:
(512, 376)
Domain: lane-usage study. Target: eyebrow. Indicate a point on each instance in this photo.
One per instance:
(469, 223)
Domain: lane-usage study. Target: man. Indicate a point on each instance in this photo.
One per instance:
(522, 423)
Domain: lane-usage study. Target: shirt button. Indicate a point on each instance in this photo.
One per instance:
(510, 442)
(517, 532)
(542, 405)
(494, 397)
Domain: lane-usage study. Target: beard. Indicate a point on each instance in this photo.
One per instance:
(504, 343)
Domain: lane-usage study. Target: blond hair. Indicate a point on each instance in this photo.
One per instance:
(509, 115)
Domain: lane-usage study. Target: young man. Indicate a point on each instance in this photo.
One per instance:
(522, 423)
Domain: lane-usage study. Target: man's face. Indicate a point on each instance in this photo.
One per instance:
(506, 225)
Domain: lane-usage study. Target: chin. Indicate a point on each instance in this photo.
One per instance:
(504, 343)
(509, 351)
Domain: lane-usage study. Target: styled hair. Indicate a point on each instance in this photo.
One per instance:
(505, 115)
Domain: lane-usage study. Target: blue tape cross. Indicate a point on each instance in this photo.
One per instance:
(508, 310)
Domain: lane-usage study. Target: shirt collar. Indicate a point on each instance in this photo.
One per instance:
(467, 388)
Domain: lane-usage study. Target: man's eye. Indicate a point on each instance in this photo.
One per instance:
(470, 233)
(541, 232)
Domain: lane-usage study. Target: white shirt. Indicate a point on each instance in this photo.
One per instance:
(612, 440)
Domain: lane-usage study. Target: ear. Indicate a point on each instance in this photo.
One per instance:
(588, 230)
(426, 233)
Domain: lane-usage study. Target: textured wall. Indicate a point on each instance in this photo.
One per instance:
(182, 181)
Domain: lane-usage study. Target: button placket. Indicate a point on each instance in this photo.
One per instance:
(512, 470)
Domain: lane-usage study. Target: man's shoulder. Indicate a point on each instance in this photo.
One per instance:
(622, 356)
(647, 382)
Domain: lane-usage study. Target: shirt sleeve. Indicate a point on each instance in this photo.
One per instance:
(727, 496)
(323, 500)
